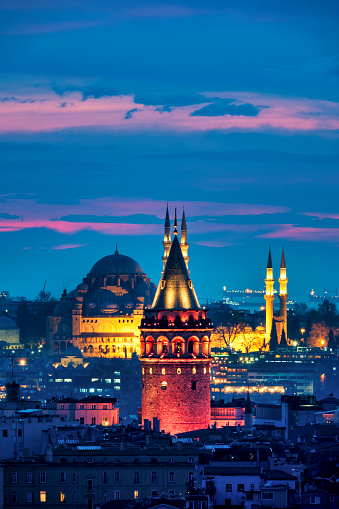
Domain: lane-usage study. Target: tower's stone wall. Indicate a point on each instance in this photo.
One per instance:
(177, 392)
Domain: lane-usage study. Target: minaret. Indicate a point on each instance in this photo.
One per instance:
(283, 295)
(167, 238)
(183, 242)
(269, 295)
(176, 352)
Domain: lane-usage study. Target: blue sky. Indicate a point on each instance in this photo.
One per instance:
(109, 110)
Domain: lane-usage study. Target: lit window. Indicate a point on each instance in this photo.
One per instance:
(116, 380)
(163, 385)
(150, 371)
(163, 371)
(179, 371)
(194, 370)
(62, 497)
(43, 497)
(136, 495)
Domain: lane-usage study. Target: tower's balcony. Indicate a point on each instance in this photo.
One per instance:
(177, 323)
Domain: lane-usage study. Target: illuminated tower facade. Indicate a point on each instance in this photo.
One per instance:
(283, 295)
(269, 295)
(175, 351)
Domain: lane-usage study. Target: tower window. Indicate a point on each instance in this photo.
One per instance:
(194, 370)
(178, 347)
(164, 385)
(179, 371)
(163, 371)
(194, 385)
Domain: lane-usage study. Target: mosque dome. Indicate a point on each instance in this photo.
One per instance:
(7, 323)
(65, 306)
(72, 351)
(117, 265)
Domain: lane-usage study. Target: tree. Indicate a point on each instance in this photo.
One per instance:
(331, 341)
(318, 336)
(250, 340)
(294, 328)
(327, 308)
(274, 338)
(226, 334)
(283, 342)
(44, 296)
(300, 309)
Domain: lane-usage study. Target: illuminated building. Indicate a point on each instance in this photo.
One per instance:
(102, 316)
(175, 348)
(281, 320)
(90, 411)
(9, 335)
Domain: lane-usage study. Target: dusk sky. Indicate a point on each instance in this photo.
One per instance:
(109, 110)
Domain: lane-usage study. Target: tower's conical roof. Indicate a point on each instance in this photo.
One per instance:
(283, 263)
(269, 261)
(175, 290)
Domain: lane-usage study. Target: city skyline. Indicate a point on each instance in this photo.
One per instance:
(231, 113)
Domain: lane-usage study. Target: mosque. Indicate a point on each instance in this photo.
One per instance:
(102, 315)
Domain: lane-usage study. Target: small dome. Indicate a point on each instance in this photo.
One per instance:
(7, 323)
(116, 265)
(64, 307)
(72, 351)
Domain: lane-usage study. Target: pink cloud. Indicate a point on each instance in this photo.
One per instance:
(292, 114)
(69, 228)
(113, 206)
(67, 246)
(302, 233)
(321, 215)
(213, 243)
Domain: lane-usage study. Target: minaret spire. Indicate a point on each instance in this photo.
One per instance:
(283, 295)
(183, 241)
(175, 223)
(269, 295)
(167, 238)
